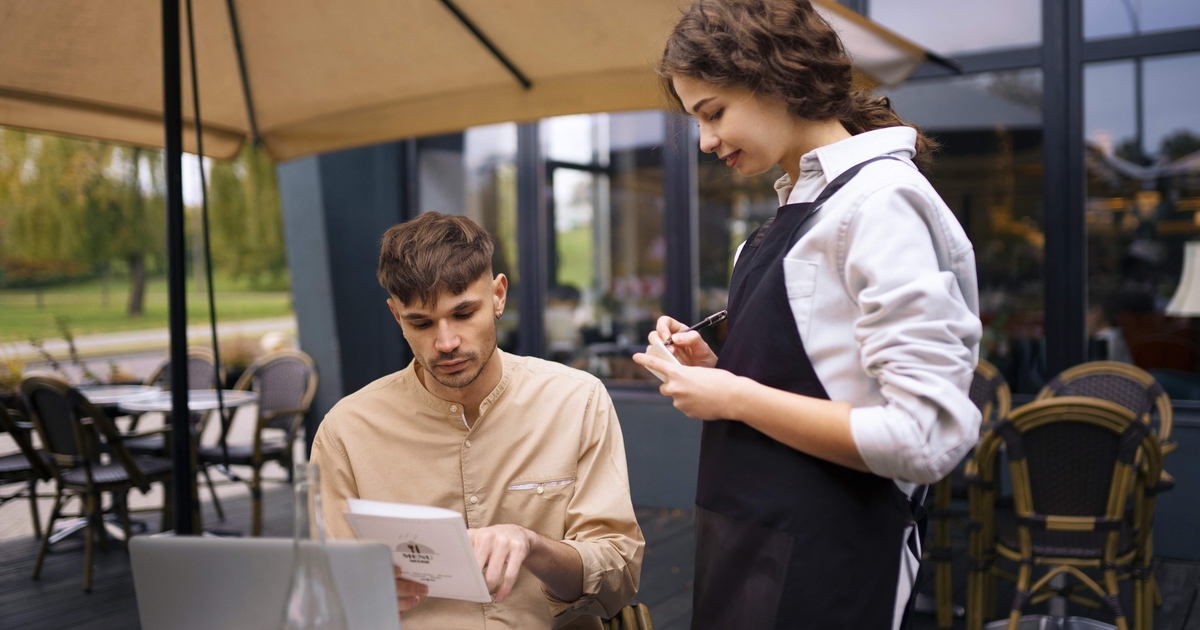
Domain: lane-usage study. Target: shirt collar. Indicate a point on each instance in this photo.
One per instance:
(452, 408)
(834, 159)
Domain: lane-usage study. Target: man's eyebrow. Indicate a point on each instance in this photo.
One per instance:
(700, 103)
(414, 316)
(469, 304)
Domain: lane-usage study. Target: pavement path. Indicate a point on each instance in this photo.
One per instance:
(108, 344)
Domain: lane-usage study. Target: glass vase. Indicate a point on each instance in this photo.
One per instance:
(313, 602)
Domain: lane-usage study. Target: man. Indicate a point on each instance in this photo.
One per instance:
(528, 450)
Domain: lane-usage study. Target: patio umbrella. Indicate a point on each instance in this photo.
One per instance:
(330, 75)
(307, 76)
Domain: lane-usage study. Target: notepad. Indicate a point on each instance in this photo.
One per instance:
(429, 544)
(658, 349)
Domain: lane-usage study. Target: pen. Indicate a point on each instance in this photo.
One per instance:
(711, 320)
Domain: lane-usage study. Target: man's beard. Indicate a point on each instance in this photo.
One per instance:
(463, 378)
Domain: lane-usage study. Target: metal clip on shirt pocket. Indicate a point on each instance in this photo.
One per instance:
(541, 486)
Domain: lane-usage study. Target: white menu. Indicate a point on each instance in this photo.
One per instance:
(429, 544)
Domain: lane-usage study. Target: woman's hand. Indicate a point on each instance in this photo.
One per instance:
(704, 393)
(688, 347)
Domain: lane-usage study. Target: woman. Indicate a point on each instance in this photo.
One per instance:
(853, 331)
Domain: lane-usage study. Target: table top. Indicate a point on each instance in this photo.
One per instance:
(198, 400)
(113, 394)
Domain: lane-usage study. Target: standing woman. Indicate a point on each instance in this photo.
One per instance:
(853, 332)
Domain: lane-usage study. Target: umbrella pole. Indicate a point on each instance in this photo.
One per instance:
(181, 443)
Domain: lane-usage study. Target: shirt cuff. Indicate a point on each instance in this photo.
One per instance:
(593, 571)
(875, 442)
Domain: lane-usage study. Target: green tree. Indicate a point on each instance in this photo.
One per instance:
(69, 207)
(246, 222)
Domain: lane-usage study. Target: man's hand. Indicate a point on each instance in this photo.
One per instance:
(501, 550)
(408, 593)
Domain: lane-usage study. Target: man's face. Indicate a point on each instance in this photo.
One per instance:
(453, 339)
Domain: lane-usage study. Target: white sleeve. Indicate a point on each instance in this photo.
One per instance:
(916, 336)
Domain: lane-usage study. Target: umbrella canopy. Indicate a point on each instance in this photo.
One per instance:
(320, 76)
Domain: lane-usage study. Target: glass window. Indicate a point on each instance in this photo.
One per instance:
(607, 278)
(962, 26)
(1143, 209)
(490, 162)
(730, 208)
(989, 171)
(1121, 18)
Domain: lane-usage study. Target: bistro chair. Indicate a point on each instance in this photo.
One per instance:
(1073, 464)
(990, 392)
(87, 459)
(1132, 388)
(25, 467)
(286, 383)
(635, 616)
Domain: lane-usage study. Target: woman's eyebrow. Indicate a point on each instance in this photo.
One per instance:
(700, 103)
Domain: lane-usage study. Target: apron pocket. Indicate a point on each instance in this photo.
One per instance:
(740, 573)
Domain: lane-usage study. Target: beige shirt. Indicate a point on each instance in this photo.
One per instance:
(546, 453)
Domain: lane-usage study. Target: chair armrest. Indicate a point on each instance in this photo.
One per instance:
(1165, 482)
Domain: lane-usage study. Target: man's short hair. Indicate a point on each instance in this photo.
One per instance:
(432, 254)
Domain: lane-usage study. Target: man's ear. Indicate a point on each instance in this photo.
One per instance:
(394, 307)
(499, 294)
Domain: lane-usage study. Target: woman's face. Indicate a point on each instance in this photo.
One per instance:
(750, 133)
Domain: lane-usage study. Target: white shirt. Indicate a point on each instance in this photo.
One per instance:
(883, 289)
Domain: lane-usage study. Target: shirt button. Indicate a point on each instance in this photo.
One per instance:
(468, 443)
(474, 499)
(453, 408)
(540, 490)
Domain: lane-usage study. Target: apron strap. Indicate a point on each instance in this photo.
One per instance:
(831, 189)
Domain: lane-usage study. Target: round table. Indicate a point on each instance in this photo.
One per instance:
(198, 400)
(114, 394)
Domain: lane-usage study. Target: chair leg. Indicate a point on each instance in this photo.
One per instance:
(122, 508)
(91, 509)
(33, 508)
(1114, 592)
(256, 498)
(1021, 596)
(212, 490)
(37, 566)
(168, 509)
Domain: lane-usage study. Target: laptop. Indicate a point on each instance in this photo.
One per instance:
(195, 583)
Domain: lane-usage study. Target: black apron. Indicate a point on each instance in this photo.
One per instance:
(784, 539)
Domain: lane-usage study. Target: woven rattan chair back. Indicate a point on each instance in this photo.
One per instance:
(10, 421)
(1072, 465)
(72, 429)
(990, 392)
(202, 371)
(283, 380)
(1126, 385)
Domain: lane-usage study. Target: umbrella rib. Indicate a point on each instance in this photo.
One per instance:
(241, 57)
(483, 39)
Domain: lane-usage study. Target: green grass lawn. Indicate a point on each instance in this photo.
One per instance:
(89, 311)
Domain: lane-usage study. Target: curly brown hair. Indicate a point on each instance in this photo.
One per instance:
(780, 49)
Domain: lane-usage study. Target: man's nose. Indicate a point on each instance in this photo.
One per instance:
(447, 340)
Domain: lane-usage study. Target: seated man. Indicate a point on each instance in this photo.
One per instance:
(528, 450)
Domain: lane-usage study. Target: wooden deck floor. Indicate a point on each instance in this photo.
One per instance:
(58, 601)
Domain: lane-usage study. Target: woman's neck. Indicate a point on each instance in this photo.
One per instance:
(809, 135)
